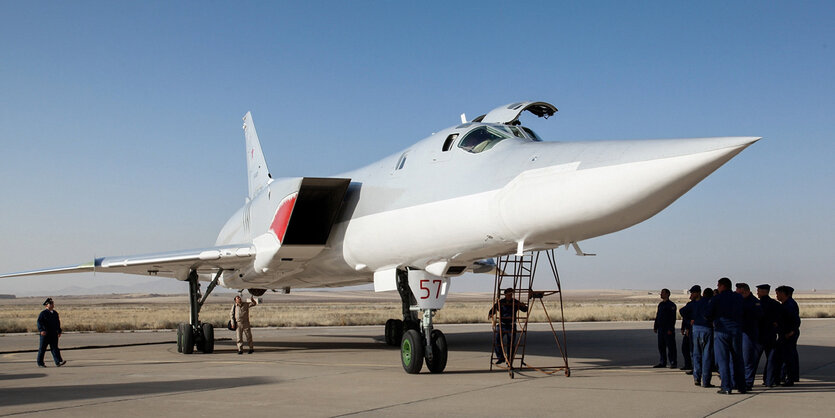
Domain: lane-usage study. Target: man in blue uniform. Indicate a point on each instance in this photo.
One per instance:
(725, 310)
(751, 314)
(687, 327)
(49, 326)
(506, 329)
(702, 341)
(665, 327)
(789, 332)
(767, 342)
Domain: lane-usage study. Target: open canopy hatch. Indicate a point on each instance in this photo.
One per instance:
(509, 114)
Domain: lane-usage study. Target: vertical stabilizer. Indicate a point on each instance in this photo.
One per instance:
(258, 175)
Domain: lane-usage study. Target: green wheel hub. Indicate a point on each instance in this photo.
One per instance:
(406, 352)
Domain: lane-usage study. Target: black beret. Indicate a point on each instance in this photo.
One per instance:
(696, 289)
(764, 286)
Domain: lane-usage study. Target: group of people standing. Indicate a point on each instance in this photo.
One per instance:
(730, 331)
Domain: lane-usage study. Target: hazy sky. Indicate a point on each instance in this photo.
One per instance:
(120, 127)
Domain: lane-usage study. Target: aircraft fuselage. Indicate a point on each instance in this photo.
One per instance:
(430, 208)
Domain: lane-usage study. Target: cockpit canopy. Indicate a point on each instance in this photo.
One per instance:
(499, 124)
(484, 137)
(481, 139)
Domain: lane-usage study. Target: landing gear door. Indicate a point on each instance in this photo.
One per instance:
(430, 291)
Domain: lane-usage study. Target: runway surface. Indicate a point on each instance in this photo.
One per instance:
(349, 371)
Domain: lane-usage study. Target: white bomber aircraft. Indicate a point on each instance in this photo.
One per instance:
(441, 207)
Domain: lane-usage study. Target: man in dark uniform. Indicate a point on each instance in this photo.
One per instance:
(725, 310)
(665, 327)
(687, 313)
(506, 330)
(768, 336)
(751, 314)
(49, 326)
(789, 332)
(702, 341)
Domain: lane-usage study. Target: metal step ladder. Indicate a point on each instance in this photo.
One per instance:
(518, 273)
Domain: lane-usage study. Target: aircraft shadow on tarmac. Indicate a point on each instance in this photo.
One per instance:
(607, 349)
(25, 395)
(22, 376)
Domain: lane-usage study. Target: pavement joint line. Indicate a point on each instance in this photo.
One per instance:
(446, 395)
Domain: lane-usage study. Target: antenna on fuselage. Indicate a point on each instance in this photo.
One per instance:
(463, 118)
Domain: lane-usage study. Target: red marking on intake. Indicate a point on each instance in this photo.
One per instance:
(282, 216)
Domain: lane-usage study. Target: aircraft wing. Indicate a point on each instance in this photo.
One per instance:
(175, 264)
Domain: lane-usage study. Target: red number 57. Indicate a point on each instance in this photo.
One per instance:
(429, 292)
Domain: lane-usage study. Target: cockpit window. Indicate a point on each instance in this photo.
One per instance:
(402, 161)
(532, 134)
(482, 139)
(516, 132)
(448, 142)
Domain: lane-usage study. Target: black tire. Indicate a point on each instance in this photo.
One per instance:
(396, 331)
(188, 339)
(439, 352)
(180, 337)
(199, 342)
(389, 333)
(208, 339)
(411, 352)
(411, 324)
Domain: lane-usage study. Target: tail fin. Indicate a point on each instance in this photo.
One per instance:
(258, 175)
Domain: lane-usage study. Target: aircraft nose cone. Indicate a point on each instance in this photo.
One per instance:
(613, 185)
(729, 142)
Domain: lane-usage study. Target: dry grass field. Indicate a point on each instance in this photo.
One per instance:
(143, 312)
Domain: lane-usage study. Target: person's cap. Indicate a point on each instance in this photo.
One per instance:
(47, 301)
(509, 290)
(696, 289)
(764, 286)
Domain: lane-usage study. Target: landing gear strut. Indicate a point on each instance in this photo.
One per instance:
(194, 333)
(419, 341)
(396, 328)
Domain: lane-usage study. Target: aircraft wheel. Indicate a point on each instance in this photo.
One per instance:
(188, 339)
(396, 331)
(567, 372)
(388, 332)
(411, 324)
(411, 352)
(208, 339)
(180, 337)
(439, 352)
(199, 342)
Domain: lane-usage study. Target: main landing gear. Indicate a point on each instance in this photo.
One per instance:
(418, 341)
(194, 333)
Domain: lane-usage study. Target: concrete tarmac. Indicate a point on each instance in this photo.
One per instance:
(349, 371)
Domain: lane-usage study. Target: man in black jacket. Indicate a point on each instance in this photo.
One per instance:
(788, 334)
(665, 327)
(768, 336)
(49, 326)
(751, 314)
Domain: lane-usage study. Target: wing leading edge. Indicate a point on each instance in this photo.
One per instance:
(174, 264)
